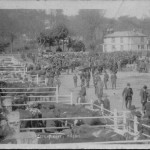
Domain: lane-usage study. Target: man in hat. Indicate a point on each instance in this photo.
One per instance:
(81, 98)
(106, 78)
(96, 102)
(88, 78)
(147, 107)
(57, 83)
(94, 82)
(127, 95)
(113, 80)
(51, 79)
(144, 96)
(99, 89)
(106, 102)
(83, 91)
(75, 79)
(82, 77)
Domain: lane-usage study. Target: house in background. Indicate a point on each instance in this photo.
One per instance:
(125, 41)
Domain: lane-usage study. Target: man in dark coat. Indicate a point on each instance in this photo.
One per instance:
(144, 96)
(147, 108)
(83, 91)
(127, 95)
(99, 89)
(95, 82)
(88, 79)
(106, 78)
(106, 103)
(113, 80)
(82, 77)
(75, 79)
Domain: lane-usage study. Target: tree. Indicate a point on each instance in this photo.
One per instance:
(60, 32)
(78, 46)
(12, 37)
(87, 23)
(92, 46)
(3, 46)
(70, 43)
(46, 40)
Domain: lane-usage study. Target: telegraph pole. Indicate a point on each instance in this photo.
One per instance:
(11, 40)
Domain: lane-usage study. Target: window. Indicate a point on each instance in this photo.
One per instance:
(121, 47)
(138, 46)
(142, 46)
(113, 40)
(105, 48)
(113, 47)
(121, 40)
(142, 39)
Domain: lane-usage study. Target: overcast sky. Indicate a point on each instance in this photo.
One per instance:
(138, 8)
(118, 8)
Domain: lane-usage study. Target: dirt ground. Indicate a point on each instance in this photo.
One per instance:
(137, 81)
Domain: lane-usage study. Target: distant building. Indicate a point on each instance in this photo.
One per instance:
(125, 41)
(79, 38)
(49, 23)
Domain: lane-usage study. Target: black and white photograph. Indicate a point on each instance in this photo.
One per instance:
(74, 74)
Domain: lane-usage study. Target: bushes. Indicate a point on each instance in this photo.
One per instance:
(58, 49)
(78, 46)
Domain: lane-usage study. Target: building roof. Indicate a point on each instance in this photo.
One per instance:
(125, 34)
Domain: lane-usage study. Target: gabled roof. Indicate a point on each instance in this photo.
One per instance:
(125, 34)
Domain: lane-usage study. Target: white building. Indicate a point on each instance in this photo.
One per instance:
(125, 41)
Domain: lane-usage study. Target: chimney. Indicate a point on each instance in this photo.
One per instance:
(111, 30)
(134, 30)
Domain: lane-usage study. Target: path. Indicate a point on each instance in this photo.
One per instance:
(137, 81)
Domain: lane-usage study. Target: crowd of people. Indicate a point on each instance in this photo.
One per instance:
(99, 83)
(92, 71)
(92, 74)
(144, 96)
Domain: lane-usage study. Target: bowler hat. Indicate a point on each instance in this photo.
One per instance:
(128, 84)
(145, 87)
(138, 114)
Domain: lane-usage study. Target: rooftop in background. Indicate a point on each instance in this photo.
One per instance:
(125, 34)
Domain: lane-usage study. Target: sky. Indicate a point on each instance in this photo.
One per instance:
(140, 9)
(137, 8)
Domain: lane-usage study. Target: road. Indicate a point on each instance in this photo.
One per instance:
(137, 81)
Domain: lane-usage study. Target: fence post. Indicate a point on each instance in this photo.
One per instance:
(66, 122)
(37, 78)
(115, 119)
(135, 127)
(91, 103)
(56, 94)
(124, 120)
(45, 81)
(23, 76)
(102, 108)
(24, 71)
(71, 98)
